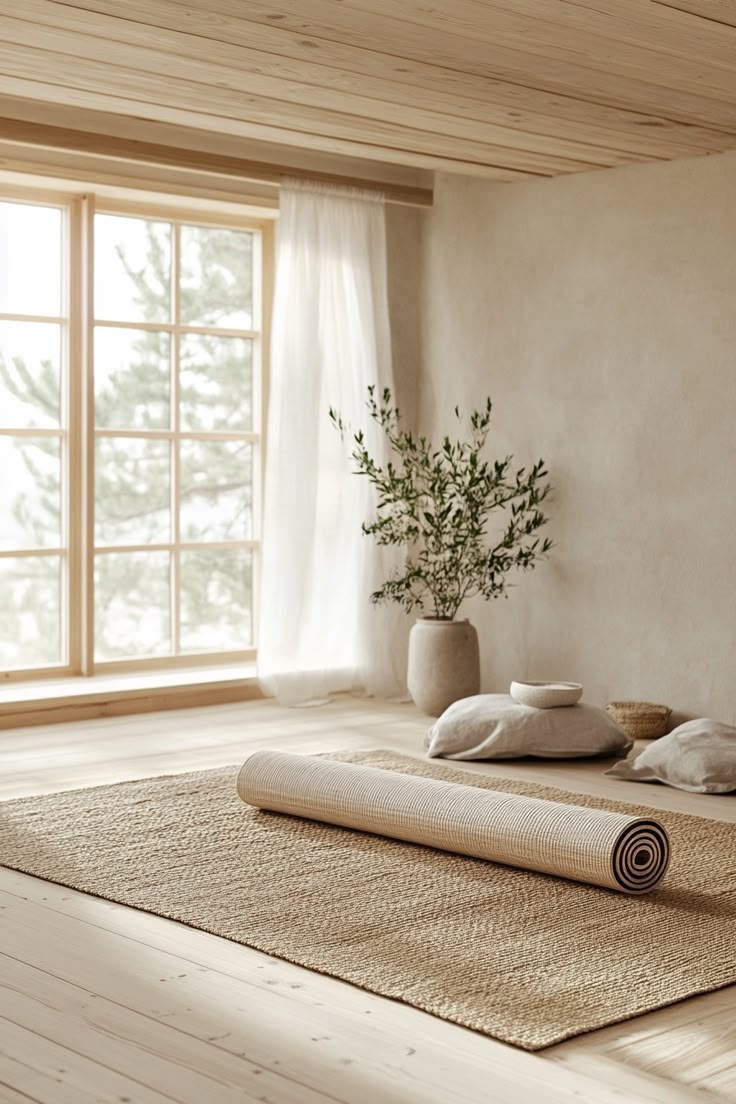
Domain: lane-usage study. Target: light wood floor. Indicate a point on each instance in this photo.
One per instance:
(103, 1003)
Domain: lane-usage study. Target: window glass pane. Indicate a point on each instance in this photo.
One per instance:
(30, 248)
(132, 479)
(216, 383)
(30, 375)
(30, 611)
(30, 492)
(132, 269)
(216, 490)
(216, 277)
(132, 379)
(132, 602)
(216, 599)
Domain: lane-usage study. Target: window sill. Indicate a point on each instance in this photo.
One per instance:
(51, 701)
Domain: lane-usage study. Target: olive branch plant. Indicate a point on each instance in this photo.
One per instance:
(437, 503)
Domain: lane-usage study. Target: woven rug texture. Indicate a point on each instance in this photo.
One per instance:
(527, 958)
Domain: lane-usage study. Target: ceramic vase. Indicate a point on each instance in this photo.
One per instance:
(444, 663)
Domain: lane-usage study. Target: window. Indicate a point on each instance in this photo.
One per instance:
(130, 436)
(34, 443)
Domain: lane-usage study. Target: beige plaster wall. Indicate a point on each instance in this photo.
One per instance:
(599, 312)
(404, 240)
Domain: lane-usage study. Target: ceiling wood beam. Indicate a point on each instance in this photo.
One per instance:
(293, 54)
(708, 10)
(238, 76)
(503, 89)
(489, 54)
(258, 116)
(317, 85)
(36, 135)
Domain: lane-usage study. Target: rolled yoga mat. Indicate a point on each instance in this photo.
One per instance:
(587, 845)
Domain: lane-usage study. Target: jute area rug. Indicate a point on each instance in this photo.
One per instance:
(524, 957)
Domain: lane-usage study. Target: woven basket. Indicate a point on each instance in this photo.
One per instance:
(641, 720)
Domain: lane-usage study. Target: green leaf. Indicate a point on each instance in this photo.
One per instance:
(438, 504)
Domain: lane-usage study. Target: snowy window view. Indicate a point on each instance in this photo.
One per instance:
(174, 433)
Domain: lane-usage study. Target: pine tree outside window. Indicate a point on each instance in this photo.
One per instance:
(131, 405)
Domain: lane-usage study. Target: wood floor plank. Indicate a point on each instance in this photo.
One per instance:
(591, 1054)
(709, 1017)
(167, 999)
(116, 749)
(30, 1083)
(664, 1089)
(232, 1015)
(691, 1045)
(9, 1095)
(73, 1078)
(374, 1050)
(164, 1059)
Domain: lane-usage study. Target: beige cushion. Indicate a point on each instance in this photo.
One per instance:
(699, 756)
(494, 726)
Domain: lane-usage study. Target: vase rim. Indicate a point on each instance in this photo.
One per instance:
(444, 620)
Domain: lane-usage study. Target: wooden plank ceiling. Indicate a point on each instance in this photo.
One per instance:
(505, 89)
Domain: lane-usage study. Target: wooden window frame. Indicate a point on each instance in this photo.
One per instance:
(80, 432)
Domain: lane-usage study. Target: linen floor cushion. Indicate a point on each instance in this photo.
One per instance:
(494, 726)
(699, 756)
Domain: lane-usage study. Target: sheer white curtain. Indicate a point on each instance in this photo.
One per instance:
(318, 632)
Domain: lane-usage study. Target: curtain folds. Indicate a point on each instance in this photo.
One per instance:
(318, 632)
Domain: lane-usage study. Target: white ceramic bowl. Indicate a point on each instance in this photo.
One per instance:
(546, 695)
